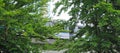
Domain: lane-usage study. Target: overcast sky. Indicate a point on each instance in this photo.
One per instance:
(62, 16)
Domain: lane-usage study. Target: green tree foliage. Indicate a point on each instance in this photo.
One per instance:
(21, 20)
(102, 20)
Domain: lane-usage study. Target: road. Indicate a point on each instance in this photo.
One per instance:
(52, 51)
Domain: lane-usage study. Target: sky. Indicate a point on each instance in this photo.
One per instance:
(62, 16)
